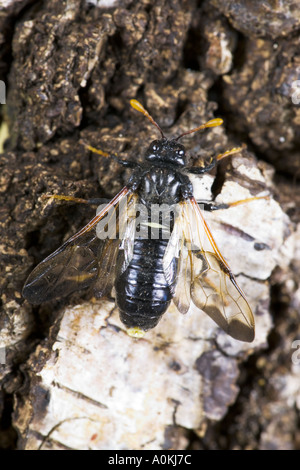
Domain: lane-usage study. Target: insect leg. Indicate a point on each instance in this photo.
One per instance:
(245, 201)
(121, 161)
(229, 152)
(214, 160)
(199, 170)
(78, 200)
(213, 206)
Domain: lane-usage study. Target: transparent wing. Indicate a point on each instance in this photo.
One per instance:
(178, 249)
(87, 259)
(205, 277)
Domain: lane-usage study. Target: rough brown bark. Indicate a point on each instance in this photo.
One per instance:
(71, 377)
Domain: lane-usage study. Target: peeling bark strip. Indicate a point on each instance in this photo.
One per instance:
(70, 69)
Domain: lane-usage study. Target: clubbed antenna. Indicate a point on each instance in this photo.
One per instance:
(212, 123)
(137, 105)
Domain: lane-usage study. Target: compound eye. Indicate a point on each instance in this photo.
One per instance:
(180, 152)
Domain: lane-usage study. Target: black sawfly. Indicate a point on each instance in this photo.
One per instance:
(147, 272)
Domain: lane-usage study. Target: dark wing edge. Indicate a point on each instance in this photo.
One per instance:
(205, 277)
(87, 259)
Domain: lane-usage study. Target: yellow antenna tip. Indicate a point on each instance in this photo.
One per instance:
(214, 122)
(137, 105)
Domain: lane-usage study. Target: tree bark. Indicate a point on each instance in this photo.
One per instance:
(70, 375)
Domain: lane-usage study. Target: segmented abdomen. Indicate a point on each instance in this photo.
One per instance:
(142, 291)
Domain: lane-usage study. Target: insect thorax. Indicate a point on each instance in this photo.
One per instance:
(161, 185)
